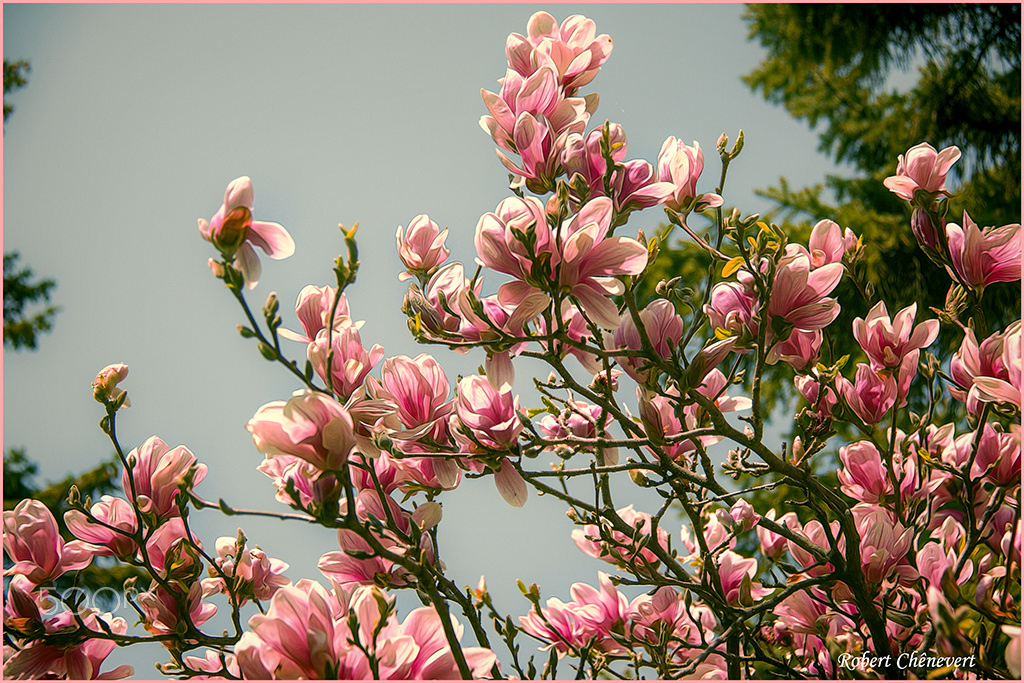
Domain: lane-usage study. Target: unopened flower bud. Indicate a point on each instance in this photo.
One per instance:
(427, 515)
(104, 387)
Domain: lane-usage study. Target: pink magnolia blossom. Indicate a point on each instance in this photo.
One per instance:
(800, 349)
(636, 186)
(419, 389)
(589, 618)
(772, 544)
(233, 231)
(863, 476)
(936, 566)
(421, 247)
(870, 395)
(983, 256)
(346, 570)
(814, 532)
(883, 542)
(922, 168)
(310, 425)
(310, 484)
(660, 420)
(537, 98)
(800, 295)
(349, 359)
(573, 50)
(925, 231)
(973, 360)
(158, 474)
(33, 542)
(313, 309)
(489, 416)
(828, 243)
(582, 260)
(579, 420)
(990, 389)
(74, 660)
(887, 342)
(997, 457)
(664, 328)
(162, 615)
(732, 306)
(743, 515)
(821, 402)
(250, 573)
(172, 551)
(104, 387)
(681, 165)
(305, 634)
(296, 637)
(575, 326)
(737, 574)
(623, 549)
(111, 514)
(582, 157)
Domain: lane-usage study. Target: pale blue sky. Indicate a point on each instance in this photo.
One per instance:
(135, 119)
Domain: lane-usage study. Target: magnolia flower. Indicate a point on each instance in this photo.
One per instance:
(664, 328)
(349, 359)
(623, 549)
(681, 165)
(573, 50)
(863, 476)
(158, 474)
(310, 425)
(983, 256)
(72, 659)
(870, 395)
(887, 342)
(233, 231)
(111, 533)
(799, 294)
(922, 168)
(33, 542)
(313, 309)
(421, 248)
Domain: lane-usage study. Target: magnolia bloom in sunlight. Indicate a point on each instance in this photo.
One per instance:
(306, 633)
(421, 247)
(33, 542)
(573, 50)
(349, 359)
(71, 659)
(664, 328)
(313, 309)
(983, 256)
(922, 168)
(159, 473)
(252, 574)
(887, 342)
(863, 475)
(870, 395)
(995, 389)
(623, 549)
(310, 425)
(233, 231)
(681, 165)
(580, 259)
(799, 294)
(111, 533)
(588, 620)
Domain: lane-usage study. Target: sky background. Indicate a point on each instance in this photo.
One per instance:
(135, 119)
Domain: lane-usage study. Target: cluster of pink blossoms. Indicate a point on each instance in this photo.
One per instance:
(919, 548)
